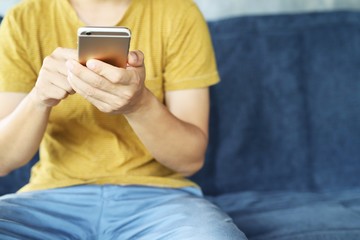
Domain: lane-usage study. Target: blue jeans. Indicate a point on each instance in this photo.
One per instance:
(114, 212)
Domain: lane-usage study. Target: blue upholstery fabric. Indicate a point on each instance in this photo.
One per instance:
(289, 215)
(16, 179)
(283, 158)
(286, 115)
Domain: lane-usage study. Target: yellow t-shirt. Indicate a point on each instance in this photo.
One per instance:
(83, 145)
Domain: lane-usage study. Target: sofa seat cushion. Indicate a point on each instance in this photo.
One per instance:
(294, 215)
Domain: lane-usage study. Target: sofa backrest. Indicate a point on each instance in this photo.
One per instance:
(286, 115)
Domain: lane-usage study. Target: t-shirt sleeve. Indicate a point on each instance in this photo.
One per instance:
(190, 59)
(16, 71)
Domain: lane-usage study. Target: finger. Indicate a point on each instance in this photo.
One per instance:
(136, 58)
(136, 67)
(93, 79)
(56, 61)
(111, 73)
(57, 93)
(53, 64)
(102, 106)
(93, 95)
(62, 84)
(56, 80)
(65, 53)
(49, 92)
(88, 91)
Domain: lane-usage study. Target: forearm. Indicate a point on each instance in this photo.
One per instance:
(176, 138)
(21, 133)
(176, 144)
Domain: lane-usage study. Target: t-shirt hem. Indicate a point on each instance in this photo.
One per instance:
(156, 182)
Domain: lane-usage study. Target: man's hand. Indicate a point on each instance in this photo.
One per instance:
(110, 89)
(52, 85)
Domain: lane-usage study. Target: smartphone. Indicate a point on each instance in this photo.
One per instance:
(108, 44)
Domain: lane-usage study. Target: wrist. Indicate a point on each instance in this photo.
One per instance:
(37, 102)
(143, 106)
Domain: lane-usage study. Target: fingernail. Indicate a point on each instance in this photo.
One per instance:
(134, 56)
(70, 65)
(91, 64)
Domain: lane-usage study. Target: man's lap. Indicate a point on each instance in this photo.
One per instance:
(113, 212)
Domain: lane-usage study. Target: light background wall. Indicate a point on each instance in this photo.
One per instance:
(6, 4)
(217, 9)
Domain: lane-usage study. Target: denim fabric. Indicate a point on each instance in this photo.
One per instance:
(111, 212)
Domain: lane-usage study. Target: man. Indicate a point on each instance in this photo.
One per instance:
(116, 144)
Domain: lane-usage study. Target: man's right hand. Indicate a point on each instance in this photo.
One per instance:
(52, 85)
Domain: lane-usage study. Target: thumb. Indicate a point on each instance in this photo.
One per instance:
(136, 59)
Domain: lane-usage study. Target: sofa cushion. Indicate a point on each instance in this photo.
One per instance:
(17, 178)
(286, 115)
(294, 215)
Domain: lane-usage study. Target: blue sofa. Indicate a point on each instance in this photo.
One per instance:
(284, 153)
